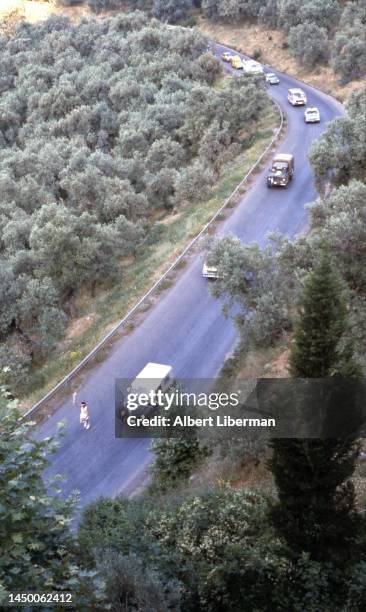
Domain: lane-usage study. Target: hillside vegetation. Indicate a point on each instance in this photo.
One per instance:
(105, 127)
(317, 31)
(102, 125)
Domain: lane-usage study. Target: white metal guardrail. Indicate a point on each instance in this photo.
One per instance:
(135, 308)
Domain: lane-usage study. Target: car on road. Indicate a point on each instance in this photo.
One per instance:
(236, 62)
(297, 97)
(312, 115)
(281, 171)
(252, 67)
(209, 271)
(272, 78)
(226, 56)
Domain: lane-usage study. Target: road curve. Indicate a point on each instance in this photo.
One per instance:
(185, 328)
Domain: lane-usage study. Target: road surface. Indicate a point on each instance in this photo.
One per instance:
(185, 328)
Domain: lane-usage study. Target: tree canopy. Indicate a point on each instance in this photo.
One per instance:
(37, 549)
(316, 511)
(101, 123)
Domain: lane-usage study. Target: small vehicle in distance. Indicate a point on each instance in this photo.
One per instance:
(252, 67)
(209, 271)
(272, 78)
(312, 115)
(236, 62)
(226, 56)
(282, 170)
(297, 97)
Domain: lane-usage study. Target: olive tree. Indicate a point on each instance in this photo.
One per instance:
(309, 43)
(349, 53)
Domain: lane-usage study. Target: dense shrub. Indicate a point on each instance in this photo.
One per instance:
(37, 544)
(211, 547)
(170, 10)
(175, 458)
(325, 13)
(103, 5)
(308, 43)
(340, 154)
(349, 52)
(213, 552)
(268, 14)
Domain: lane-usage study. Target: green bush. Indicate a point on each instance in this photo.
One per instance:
(349, 53)
(257, 53)
(189, 22)
(37, 544)
(209, 552)
(175, 458)
(211, 548)
(309, 43)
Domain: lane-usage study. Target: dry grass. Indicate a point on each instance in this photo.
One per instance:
(33, 11)
(249, 37)
(264, 363)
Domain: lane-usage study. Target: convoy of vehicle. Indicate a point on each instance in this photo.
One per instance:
(236, 62)
(281, 171)
(297, 97)
(312, 115)
(283, 165)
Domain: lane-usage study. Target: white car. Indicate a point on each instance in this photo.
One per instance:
(297, 97)
(210, 271)
(312, 115)
(272, 78)
(252, 67)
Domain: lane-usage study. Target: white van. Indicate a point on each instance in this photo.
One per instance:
(297, 97)
(153, 377)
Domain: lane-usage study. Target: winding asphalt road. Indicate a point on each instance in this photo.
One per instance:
(185, 328)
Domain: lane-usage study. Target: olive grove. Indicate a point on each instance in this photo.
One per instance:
(101, 124)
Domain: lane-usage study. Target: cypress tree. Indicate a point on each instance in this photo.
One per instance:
(315, 512)
(321, 324)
